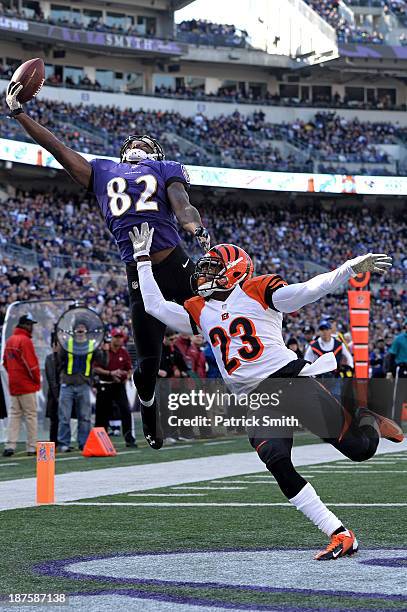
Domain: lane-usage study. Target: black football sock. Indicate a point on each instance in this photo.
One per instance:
(340, 529)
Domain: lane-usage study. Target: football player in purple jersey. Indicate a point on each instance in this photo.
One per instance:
(142, 187)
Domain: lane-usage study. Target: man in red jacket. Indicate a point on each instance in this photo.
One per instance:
(24, 378)
(192, 352)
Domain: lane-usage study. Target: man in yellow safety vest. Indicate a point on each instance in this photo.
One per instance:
(75, 367)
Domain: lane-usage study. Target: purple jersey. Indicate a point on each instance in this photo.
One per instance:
(129, 194)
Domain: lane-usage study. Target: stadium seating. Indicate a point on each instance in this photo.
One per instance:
(204, 32)
(347, 32)
(233, 140)
(194, 31)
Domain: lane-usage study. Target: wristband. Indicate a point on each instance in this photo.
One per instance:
(15, 112)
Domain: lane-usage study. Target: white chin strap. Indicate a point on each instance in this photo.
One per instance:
(208, 288)
(132, 155)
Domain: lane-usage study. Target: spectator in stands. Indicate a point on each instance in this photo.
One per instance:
(308, 333)
(52, 378)
(398, 355)
(212, 366)
(172, 361)
(292, 343)
(199, 359)
(376, 358)
(346, 30)
(202, 31)
(325, 343)
(75, 369)
(21, 362)
(113, 367)
(397, 369)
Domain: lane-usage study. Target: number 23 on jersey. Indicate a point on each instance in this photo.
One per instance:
(244, 329)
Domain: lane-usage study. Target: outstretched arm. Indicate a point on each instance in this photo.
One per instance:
(293, 297)
(76, 165)
(170, 313)
(187, 215)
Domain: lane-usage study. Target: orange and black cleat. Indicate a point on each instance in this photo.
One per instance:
(388, 428)
(342, 544)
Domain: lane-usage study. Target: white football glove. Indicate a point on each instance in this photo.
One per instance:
(13, 89)
(141, 240)
(372, 262)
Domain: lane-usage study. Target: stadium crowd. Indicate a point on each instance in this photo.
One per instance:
(77, 22)
(347, 31)
(250, 95)
(233, 140)
(280, 240)
(398, 8)
(205, 32)
(194, 31)
(230, 94)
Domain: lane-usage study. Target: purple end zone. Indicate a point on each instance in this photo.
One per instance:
(58, 568)
(399, 562)
(211, 603)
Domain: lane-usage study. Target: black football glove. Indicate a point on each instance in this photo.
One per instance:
(203, 238)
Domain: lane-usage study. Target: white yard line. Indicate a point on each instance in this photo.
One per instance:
(130, 452)
(167, 494)
(245, 482)
(165, 448)
(8, 464)
(355, 471)
(77, 485)
(219, 442)
(231, 504)
(349, 466)
(192, 488)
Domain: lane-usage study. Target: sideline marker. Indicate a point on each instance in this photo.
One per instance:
(98, 444)
(45, 472)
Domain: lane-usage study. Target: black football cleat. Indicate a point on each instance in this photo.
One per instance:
(151, 432)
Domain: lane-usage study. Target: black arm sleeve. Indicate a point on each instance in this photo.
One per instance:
(275, 283)
(194, 326)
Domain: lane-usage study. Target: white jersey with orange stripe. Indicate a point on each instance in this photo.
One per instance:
(245, 332)
(244, 329)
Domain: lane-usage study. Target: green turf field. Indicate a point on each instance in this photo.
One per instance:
(227, 516)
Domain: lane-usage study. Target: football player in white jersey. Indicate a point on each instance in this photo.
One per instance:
(241, 317)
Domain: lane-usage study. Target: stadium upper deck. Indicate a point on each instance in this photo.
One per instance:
(135, 49)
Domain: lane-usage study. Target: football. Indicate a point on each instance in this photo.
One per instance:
(31, 75)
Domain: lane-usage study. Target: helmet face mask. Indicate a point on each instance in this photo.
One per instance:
(221, 269)
(135, 155)
(209, 275)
